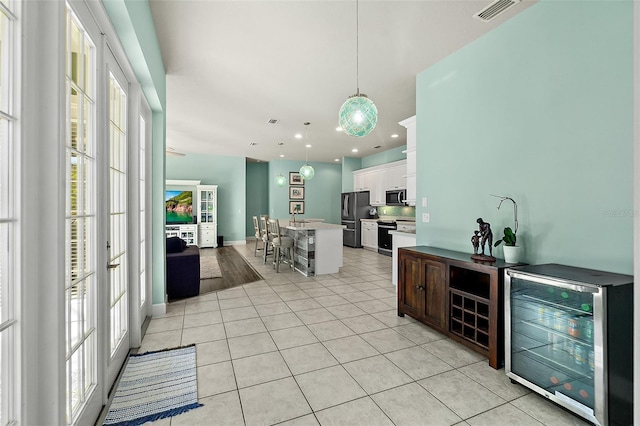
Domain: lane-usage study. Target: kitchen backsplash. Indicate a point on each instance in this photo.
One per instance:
(396, 211)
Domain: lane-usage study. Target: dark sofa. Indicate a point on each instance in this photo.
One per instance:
(183, 269)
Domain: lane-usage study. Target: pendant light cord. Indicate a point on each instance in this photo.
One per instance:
(306, 150)
(357, 48)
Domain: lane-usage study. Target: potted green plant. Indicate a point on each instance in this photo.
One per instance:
(512, 252)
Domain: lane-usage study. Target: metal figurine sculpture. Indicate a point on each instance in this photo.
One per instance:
(475, 241)
(486, 236)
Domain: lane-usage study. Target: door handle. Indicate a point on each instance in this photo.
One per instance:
(113, 265)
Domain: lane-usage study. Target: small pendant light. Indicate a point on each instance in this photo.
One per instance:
(307, 171)
(280, 180)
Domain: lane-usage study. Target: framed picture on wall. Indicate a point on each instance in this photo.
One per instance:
(296, 192)
(295, 179)
(296, 207)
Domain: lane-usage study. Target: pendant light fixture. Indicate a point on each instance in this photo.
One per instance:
(280, 180)
(358, 115)
(307, 171)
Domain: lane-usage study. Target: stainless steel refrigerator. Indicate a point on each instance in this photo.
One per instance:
(355, 206)
(569, 337)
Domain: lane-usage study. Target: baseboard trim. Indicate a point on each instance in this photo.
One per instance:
(158, 310)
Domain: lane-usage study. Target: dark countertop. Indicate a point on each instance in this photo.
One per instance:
(457, 255)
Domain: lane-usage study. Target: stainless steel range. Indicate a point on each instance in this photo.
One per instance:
(385, 239)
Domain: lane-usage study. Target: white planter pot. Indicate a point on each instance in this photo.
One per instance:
(512, 254)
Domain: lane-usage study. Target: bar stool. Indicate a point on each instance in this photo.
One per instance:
(279, 242)
(266, 238)
(258, 235)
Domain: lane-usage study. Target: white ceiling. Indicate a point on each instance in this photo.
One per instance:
(234, 65)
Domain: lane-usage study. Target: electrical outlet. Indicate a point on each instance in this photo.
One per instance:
(424, 201)
(426, 217)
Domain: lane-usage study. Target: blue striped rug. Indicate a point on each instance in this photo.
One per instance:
(155, 385)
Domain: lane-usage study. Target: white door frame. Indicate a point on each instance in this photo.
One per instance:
(116, 359)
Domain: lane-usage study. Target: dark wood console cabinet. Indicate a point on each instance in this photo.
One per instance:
(457, 296)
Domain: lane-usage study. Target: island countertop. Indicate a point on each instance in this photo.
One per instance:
(287, 224)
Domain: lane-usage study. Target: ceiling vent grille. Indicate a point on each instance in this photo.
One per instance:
(273, 121)
(494, 9)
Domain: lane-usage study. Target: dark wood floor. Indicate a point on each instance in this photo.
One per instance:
(235, 271)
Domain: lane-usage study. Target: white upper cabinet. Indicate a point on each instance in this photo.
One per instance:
(410, 124)
(379, 179)
(395, 177)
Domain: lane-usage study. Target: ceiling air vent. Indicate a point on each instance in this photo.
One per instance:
(494, 9)
(273, 121)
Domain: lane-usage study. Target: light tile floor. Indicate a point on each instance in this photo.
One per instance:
(331, 350)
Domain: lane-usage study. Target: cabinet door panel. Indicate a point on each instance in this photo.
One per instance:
(411, 298)
(435, 309)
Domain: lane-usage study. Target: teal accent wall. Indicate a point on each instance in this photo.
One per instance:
(257, 191)
(229, 174)
(539, 109)
(349, 165)
(133, 22)
(388, 156)
(322, 193)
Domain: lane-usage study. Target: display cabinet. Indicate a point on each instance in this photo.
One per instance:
(207, 199)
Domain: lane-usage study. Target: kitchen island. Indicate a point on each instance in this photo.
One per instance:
(318, 246)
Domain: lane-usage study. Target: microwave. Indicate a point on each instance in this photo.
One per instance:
(396, 197)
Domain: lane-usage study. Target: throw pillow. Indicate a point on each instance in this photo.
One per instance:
(174, 245)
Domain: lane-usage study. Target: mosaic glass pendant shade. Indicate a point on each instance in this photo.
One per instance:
(307, 172)
(358, 116)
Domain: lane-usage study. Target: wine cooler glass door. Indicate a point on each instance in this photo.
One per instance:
(552, 341)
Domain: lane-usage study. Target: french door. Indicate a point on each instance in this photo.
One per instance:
(117, 223)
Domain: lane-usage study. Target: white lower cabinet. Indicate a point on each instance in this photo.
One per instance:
(369, 235)
(189, 233)
(208, 235)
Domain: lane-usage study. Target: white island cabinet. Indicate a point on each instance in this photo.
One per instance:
(400, 239)
(318, 246)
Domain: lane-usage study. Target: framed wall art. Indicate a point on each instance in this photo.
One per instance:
(296, 207)
(296, 192)
(295, 179)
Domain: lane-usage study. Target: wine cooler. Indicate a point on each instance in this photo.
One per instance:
(569, 337)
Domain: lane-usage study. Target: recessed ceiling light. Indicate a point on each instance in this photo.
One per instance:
(281, 155)
(395, 135)
(298, 136)
(336, 159)
(354, 150)
(338, 129)
(308, 146)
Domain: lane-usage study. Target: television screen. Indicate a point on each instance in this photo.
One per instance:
(179, 206)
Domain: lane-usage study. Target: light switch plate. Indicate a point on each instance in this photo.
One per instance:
(424, 201)
(426, 217)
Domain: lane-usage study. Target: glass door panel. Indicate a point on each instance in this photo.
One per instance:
(117, 234)
(80, 296)
(552, 339)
